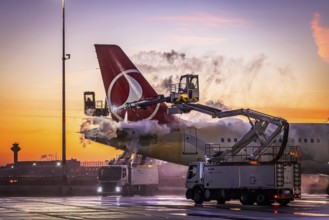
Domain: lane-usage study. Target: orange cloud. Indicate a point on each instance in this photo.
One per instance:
(321, 37)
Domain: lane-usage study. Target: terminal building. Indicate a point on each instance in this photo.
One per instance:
(47, 173)
(46, 177)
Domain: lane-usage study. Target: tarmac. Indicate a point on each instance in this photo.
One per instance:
(158, 207)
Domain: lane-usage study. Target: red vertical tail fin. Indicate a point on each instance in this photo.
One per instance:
(124, 83)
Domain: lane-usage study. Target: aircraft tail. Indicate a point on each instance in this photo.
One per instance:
(124, 83)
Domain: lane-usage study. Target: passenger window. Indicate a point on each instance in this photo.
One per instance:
(235, 140)
(299, 140)
(312, 140)
(223, 140)
(305, 140)
(229, 140)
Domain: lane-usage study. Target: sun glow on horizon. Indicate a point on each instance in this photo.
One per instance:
(246, 57)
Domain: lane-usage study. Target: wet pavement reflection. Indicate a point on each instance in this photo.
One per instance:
(159, 207)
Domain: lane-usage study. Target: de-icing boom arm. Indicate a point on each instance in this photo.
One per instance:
(183, 102)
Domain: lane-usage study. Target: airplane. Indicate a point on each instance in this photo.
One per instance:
(157, 134)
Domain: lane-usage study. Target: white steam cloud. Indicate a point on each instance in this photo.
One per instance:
(145, 127)
(106, 127)
(223, 81)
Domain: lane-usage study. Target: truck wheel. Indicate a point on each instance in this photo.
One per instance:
(197, 196)
(189, 194)
(283, 202)
(261, 199)
(126, 191)
(220, 197)
(144, 191)
(149, 191)
(247, 198)
(152, 191)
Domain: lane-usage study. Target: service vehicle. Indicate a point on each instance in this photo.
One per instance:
(128, 180)
(260, 181)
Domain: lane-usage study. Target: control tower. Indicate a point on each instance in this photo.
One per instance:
(15, 148)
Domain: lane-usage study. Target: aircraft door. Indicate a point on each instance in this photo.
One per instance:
(190, 141)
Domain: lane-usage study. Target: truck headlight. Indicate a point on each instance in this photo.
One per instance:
(99, 189)
(117, 189)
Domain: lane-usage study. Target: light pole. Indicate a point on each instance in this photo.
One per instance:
(64, 58)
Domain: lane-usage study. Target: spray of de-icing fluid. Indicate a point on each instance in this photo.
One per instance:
(221, 79)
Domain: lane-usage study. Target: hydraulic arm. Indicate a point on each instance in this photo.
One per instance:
(259, 123)
(182, 101)
(183, 97)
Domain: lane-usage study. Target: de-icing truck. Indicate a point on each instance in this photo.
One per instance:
(263, 182)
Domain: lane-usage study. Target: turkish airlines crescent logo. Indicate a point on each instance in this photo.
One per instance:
(135, 92)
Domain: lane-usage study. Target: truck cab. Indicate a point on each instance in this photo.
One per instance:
(93, 107)
(128, 180)
(187, 90)
(112, 179)
(194, 174)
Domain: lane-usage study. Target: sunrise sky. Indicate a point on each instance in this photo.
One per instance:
(274, 57)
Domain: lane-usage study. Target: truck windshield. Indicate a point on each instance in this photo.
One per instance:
(191, 171)
(109, 173)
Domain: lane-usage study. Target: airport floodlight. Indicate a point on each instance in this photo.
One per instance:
(63, 89)
(65, 57)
